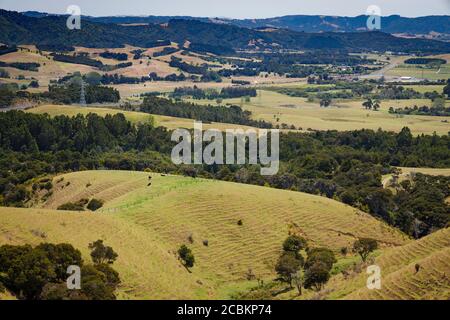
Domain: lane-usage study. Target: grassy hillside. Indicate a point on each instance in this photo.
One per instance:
(399, 277)
(147, 224)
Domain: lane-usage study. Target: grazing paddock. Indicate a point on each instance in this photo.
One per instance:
(146, 225)
(342, 115)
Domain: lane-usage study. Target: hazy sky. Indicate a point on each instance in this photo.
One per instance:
(234, 8)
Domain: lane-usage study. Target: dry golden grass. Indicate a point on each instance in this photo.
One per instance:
(428, 171)
(73, 110)
(135, 117)
(48, 70)
(145, 225)
(147, 268)
(399, 277)
(342, 116)
(421, 73)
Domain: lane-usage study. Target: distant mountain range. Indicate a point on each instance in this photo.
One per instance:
(51, 30)
(393, 24)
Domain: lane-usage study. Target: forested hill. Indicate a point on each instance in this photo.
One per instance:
(17, 28)
(302, 23)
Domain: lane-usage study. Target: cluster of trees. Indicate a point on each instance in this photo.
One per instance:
(4, 49)
(208, 48)
(77, 59)
(82, 204)
(232, 114)
(299, 65)
(424, 110)
(157, 43)
(71, 93)
(334, 89)
(425, 61)
(119, 79)
(65, 92)
(114, 55)
(137, 54)
(212, 94)
(446, 90)
(4, 73)
(313, 273)
(165, 52)
(28, 66)
(396, 92)
(186, 67)
(85, 60)
(240, 82)
(202, 70)
(40, 273)
(372, 104)
(153, 76)
(7, 96)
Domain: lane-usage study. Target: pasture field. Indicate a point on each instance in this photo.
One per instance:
(428, 171)
(418, 71)
(399, 277)
(346, 115)
(72, 110)
(423, 89)
(146, 224)
(133, 116)
(49, 69)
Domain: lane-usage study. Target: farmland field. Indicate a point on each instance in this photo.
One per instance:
(422, 72)
(345, 115)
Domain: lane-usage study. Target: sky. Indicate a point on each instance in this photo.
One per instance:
(233, 8)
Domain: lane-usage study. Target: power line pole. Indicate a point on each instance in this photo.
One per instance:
(82, 94)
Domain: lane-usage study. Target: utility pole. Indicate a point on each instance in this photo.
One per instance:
(82, 94)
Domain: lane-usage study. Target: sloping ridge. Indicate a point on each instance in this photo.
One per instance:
(398, 269)
(146, 219)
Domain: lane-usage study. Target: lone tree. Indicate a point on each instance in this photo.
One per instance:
(101, 254)
(364, 247)
(288, 265)
(368, 104)
(325, 101)
(376, 104)
(186, 256)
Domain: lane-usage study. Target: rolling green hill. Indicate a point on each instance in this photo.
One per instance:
(146, 224)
